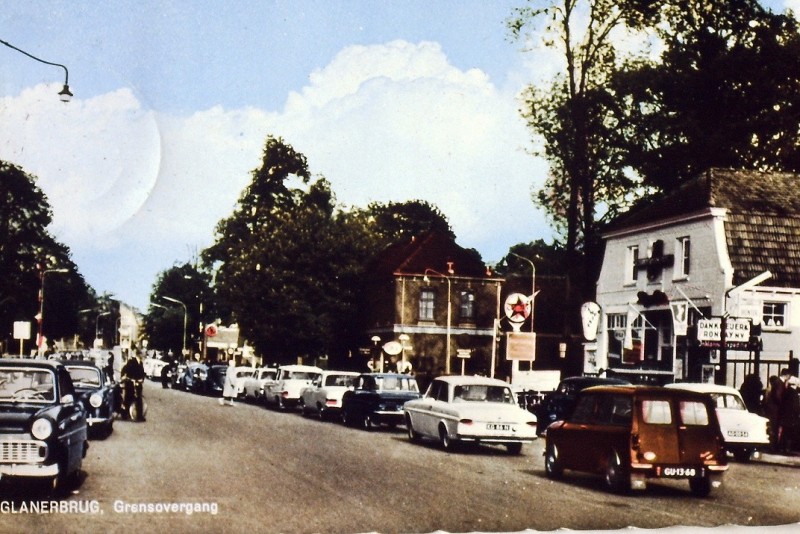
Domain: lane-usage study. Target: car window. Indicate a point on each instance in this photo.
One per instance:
(84, 377)
(584, 409)
(339, 380)
(656, 412)
(614, 410)
(482, 393)
(28, 384)
(694, 413)
(727, 400)
(397, 383)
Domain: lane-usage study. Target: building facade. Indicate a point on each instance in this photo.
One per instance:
(433, 305)
(725, 244)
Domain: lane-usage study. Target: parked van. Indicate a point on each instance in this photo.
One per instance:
(634, 433)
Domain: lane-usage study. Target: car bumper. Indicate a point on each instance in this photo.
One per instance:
(495, 439)
(93, 421)
(29, 470)
(715, 472)
(388, 417)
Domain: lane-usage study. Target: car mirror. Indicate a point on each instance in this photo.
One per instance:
(68, 399)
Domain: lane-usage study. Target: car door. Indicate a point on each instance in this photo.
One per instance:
(655, 428)
(575, 436)
(72, 420)
(427, 413)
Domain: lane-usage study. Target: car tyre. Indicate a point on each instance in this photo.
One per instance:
(413, 435)
(552, 463)
(367, 423)
(617, 479)
(445, 439)
(514, 448)
(700, 486)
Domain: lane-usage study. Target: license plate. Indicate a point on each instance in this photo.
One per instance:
(738, 433)
(680, 472)
(495, 426)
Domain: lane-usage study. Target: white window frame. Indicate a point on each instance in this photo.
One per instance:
(631, 270)
(683, 253)
(768, 319)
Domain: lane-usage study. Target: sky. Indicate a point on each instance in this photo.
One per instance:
(173, 100)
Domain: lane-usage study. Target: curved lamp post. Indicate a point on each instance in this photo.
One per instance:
(449, 314)
(185, 319)
(65, 95)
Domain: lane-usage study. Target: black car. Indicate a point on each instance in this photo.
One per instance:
(98, 394)
(43, 430)
(215, 380)
(192, 377)
(378, 398)
(558, 404)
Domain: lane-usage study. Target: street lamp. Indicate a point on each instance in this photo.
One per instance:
(42, 273)
(65, 95)
(97, 324)
(185, 319)
(449, 314)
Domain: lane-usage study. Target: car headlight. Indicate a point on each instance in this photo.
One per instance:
(42, 428)
(96, 400)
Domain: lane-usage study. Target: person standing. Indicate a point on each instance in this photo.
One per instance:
(229, 388)
(772, 403)
(788, 413)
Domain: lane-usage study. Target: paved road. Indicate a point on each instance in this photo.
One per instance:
(248, 469)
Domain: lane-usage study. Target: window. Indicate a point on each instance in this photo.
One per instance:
(774, 314)
(683, 249)
(426, 299)
(656, 412)
(467, 306)
(694, 413)
(631, 270)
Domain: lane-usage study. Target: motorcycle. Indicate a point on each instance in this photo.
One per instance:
(126, 407)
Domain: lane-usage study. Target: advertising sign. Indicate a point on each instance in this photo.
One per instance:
(737, 332)
(521, 346)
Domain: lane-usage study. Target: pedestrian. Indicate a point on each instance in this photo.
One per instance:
(751, 391)
(229, 389)
(110, 366)
(788, 413)
(165, 375)
(772, 403)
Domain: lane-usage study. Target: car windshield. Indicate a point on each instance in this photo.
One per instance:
(396, 383)
(483, 393)
(268, 375)
(339, 380)
(84, 376)
(300, 375)
(29, 384)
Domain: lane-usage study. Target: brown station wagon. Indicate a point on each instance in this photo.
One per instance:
(634, 433)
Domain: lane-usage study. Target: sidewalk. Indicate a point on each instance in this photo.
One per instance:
(791, 459)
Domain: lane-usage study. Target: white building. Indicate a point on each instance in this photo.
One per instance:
(674, 267)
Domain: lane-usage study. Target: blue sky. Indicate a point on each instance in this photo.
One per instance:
(390, 101)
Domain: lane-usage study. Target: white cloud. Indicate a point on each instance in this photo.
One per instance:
(392, 122)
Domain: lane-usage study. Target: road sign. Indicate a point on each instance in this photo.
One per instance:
(737, 332)
(463, 353)
(521, 346)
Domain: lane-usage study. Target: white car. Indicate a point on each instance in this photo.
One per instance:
(239, 375)
(152, 367)
(254, 384)
(284, 392)
(324, 396)
(743, 431)
(470, 409)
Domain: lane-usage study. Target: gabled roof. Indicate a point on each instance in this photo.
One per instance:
(431, 250)
(763, 222)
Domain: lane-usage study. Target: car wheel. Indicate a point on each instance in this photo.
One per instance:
(445, 439)
(514, 448)
(552, 462)
(279, 403)
(413, 435)
(617, 479)
(346, 419)
(367, 423)
(700, 486)
(303, 408)
(321, 413)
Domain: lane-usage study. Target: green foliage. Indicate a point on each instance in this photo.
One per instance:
(724, 93)
(26, 249)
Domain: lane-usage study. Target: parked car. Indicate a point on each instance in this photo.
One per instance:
(254, 384)
(744, 432)
(284, 392)
(559, 403)
(324, 396)
(632, 434)
(240, 374)
(44, 431)
(97, 393)
(153, 366)
(192, 377)
(470, 409)
(378, 398)
(215, 380)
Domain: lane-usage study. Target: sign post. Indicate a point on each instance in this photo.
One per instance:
(22, 331)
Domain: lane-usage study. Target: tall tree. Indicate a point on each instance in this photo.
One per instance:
(573, 116)
(27, 250)
(725, 91)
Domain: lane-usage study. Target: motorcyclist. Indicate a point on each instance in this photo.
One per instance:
(134, 371)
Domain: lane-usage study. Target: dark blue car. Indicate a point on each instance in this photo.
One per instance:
(378, 398)
(98, 394)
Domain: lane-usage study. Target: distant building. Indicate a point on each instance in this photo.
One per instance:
(674, 267)
(407, 290)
